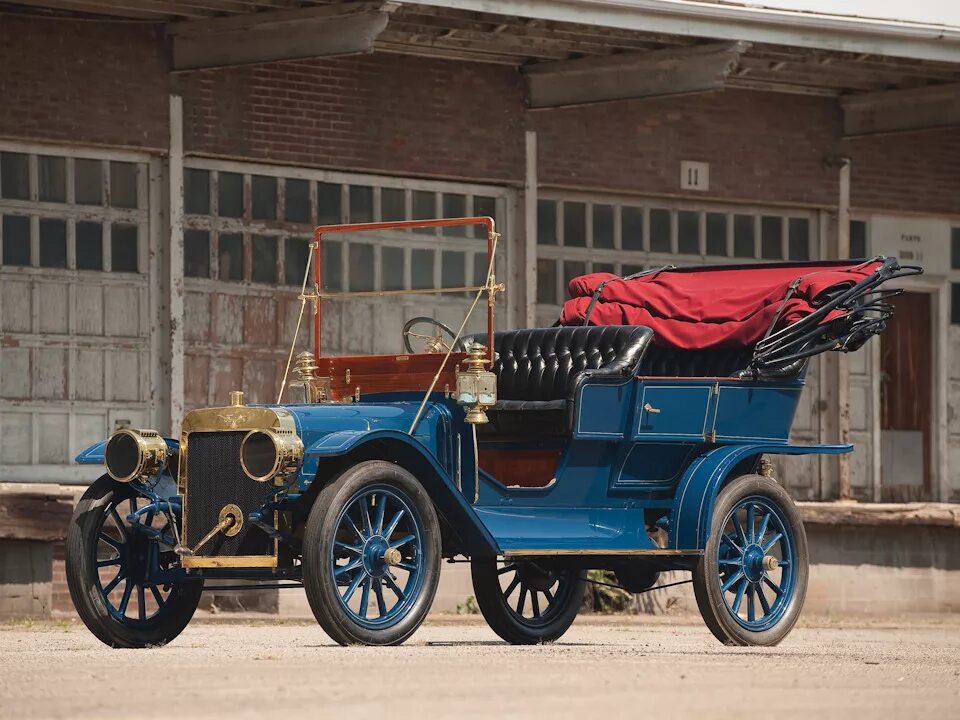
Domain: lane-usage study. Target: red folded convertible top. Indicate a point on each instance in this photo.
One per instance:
(712, 307)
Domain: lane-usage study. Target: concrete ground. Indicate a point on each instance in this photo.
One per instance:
(456, 667)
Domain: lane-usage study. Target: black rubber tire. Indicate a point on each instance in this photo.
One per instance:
(318, 581)
(706, 580)
(504, 621)
(83, 583)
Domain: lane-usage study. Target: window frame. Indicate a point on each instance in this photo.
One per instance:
(620, 257)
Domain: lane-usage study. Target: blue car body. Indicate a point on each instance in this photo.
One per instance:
(621, 465)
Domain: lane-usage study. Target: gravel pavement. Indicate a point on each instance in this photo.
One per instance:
(603, 668)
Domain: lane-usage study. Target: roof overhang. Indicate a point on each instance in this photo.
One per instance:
(731, 22)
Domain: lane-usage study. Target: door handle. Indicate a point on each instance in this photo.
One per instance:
(651, 409)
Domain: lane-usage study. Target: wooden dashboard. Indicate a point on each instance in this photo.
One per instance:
(388, 373)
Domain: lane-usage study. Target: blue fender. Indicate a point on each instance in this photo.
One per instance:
(93, 455)
(700, 484)
(448, 500)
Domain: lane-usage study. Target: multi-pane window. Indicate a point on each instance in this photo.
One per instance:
(577, 236)
(72, 213)
(256, 227)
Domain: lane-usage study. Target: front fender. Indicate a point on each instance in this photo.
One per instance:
(93, 455)
(449, 502)
(700, 484)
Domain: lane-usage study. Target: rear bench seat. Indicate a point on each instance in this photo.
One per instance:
(538, 370)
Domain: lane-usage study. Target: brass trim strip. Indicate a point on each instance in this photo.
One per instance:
(594, 551)
(235, 561)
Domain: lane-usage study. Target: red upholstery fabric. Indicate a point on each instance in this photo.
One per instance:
(709, 308)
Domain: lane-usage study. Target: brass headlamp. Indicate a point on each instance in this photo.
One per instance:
(132, 454)
(476, 386)
(269, 454)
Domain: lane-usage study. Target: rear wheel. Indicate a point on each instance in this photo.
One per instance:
(109, 566)
(371, 557)
(751, 581)
(524, 603)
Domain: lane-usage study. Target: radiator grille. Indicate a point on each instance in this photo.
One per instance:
(214, 479)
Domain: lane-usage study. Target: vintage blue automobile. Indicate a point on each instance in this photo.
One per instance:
(535, 454)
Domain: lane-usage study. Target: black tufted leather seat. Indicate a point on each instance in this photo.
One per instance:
(664, 362)
(538, 370)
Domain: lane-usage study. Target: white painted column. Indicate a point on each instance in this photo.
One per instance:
(941, 389)
(530, 231)
(175, 257)
(843, 369)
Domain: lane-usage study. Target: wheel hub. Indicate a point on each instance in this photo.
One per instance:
(753, 563)
(376, 551)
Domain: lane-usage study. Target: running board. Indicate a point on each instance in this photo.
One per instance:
(657, 552)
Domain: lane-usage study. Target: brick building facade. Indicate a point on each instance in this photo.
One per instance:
(272, 149)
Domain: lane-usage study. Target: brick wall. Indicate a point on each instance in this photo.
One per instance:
(915, 172)
(83, 82)
(763, 147)
(382, 113)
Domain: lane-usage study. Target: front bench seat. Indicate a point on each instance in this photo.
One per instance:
(538, 370)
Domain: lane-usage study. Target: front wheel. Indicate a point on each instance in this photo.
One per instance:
(371, 557)
(524, 603)
(111, 565)
(751, 581)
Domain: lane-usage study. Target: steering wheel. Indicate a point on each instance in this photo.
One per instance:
(433, 342)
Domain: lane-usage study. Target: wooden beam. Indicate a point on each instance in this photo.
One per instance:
(342, 29)
(878, 514)
(34, 516)
(935, 106)
(672, 71)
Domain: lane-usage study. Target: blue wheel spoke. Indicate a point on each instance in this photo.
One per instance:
(535, 603)
(108, 588)
(381, 509)
(409, 567)
(113, 542)
(773, 586)
(739, 528)
(773, 541)
(506, 569)
(348, 548)
(392, 525)
(396, 588)
(751, 610)
(353, 525)
(353, 586)
(737, 562)
(549, 596)
(378, 591)
(763, 528)
(763, 600)
(739, 598)
(403, 541)
(731, 543)
(156, 595)
(141, 603)
(523, 599)
(125, 600)
(365, 517)
(512, 586)
(121, 528)
(783, 563)
(365, 598)
(751, 519)
(732, 580)
(109, 562)
(348, 567)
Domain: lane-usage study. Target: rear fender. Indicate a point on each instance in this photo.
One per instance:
(327, 457)
(93, 455)
(698, 488)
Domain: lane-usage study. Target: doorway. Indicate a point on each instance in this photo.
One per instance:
(906, 400)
